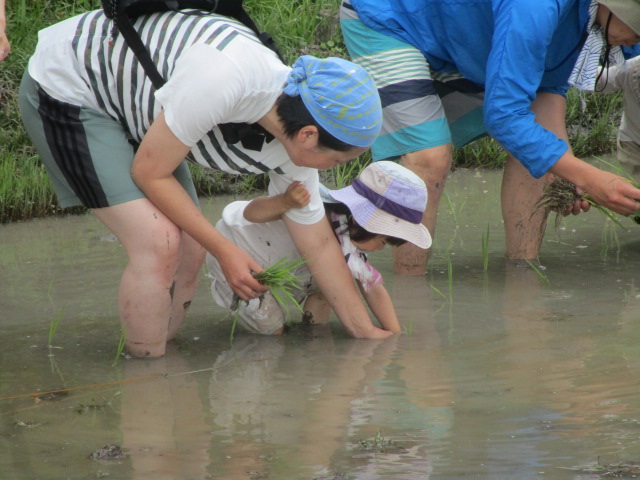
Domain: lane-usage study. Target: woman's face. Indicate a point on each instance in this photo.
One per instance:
(618, 33)
(324, 159)
(304, 151)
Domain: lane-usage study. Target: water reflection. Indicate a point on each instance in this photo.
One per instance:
(501, 373)
(162, 421)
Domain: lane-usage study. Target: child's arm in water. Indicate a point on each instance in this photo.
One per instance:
(381, 306)
(269, 209)
(317, 309)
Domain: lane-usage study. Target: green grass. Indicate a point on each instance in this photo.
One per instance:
(301, 27)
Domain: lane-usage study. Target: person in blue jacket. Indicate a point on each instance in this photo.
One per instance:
(451, 72)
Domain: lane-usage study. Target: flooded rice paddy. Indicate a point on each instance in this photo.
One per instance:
(503, 373)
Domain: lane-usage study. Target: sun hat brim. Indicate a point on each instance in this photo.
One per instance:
(378, 221)
(627, 11)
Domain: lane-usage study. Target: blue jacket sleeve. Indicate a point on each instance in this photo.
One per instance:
(523, 35)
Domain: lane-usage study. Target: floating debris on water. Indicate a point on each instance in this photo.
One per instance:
(110, 451)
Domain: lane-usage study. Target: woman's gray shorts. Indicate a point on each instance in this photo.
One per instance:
(87, 154)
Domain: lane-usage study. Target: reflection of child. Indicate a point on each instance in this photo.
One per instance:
(384, 205)
(626, 77)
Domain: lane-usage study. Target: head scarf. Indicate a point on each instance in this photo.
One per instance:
(340, 95)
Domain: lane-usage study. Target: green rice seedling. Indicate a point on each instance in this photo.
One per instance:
(452, 210)
(235, 321)
(541, 276)
(380, 444)
(485, 250)
(408, 329)
(610, 241)
(55, 322)
(53, 327)
(120, 349)
(437, 290)
(450, 205)
(282, 282)
(623, 173)
(55, 370)
(450, 275)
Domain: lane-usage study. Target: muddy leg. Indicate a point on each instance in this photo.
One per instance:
(523, 231)
(152, 243)
(431, 165)
(520, 191)
(191, 260)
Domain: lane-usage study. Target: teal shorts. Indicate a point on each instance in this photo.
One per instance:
(421, 108)
(87, 154)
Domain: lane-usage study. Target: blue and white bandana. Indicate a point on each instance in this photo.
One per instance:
(340, 95)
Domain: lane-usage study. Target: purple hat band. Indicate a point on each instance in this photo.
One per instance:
(387, 205)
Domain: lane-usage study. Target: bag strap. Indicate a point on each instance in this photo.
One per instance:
(134, 42)
(124, 24)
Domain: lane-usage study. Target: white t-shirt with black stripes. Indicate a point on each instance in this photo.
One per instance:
(217, 72)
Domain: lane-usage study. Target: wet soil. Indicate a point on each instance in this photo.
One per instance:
(501, 373)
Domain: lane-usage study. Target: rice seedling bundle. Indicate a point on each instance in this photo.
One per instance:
(282, 283)
(561, 194)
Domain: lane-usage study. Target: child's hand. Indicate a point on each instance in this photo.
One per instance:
(296, 196)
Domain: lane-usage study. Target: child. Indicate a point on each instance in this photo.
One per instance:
(384, 205)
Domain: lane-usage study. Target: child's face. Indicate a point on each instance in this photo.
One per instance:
(376, 243)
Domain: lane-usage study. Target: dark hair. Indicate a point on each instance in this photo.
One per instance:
(294, 115)
(356, 232)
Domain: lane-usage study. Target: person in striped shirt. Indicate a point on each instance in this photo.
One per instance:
(114, 144)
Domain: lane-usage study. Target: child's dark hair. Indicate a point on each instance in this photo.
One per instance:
(294, 115)
(356, 232)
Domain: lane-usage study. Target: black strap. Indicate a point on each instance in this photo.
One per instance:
(132, 37)
(133, 40)
(232, 133)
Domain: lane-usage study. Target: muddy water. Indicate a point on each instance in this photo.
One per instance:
(506, 373)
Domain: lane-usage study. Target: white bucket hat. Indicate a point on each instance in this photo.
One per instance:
(387, 199)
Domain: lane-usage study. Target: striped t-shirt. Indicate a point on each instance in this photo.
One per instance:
(217, 72)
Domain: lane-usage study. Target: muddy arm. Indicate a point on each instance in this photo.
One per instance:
(319, 246)
(380, 303)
